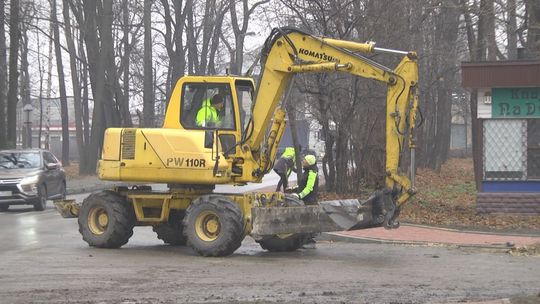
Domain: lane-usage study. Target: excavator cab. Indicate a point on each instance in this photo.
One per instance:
(199, 142)
(192, 98)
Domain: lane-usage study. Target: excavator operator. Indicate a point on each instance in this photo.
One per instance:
(208, 115)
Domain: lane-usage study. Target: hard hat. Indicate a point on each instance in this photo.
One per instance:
(288, 153)
(310, 159)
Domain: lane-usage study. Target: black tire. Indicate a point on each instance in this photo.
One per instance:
(4, 208)
(172, 232)
(106, 219)
(41, 202)
(284, 243)
(213, 226)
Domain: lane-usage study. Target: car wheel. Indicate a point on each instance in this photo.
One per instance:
(41, 201)
(4, 208)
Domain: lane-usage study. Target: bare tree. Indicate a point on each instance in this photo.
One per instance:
(105, 113)
(61, 84)
(240, 32)
(24, 79)
(533, 20)
(148, 94)
(12, 98)
(192, 52)
(511, 29)
(3, 77)
(174, 40)
(74, 77)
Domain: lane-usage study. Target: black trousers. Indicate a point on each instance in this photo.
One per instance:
(283, 181)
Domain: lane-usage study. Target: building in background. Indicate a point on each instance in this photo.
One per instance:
(51, 126)
(460, 128)
(508, 135)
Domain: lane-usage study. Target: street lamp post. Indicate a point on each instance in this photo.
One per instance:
(28, 124)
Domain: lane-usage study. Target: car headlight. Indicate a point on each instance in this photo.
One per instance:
(29, 184)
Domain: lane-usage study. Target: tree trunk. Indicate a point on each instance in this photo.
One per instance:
(40, 97)
(148, 98)
(126, 61)
(111, 86)
(192, 56)
(329, 166)
(490, 30)
(25, 87)
(179, 58)
(12, 99)
(511, 29)
(84, 166)
(207, 29)
(96, 69)
(241, 32)
(294, 134)
(533, 36)
(61, 86)
(74, 78)
(341, 159)
(49, 88)
(215, 46)
(3, 77)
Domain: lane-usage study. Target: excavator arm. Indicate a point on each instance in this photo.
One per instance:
(290, 51)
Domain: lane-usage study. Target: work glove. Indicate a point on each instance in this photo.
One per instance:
(291, 189)
(295, 195)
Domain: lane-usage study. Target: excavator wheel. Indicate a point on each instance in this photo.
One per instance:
(172, 232)
(106, 219)
(213, 226)
(282, 243)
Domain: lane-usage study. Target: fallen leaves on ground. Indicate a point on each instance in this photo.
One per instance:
(447, 198)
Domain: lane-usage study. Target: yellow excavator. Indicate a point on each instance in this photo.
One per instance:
(192, 157)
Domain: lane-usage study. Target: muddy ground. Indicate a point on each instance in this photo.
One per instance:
(51, 264)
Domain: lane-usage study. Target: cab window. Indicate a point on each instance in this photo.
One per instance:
(244, 91)
(207, 106)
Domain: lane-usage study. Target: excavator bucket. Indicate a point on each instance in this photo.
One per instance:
(327, 216)
(67, 208)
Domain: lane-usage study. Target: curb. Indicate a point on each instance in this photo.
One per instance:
(335, 237)
(502, 233)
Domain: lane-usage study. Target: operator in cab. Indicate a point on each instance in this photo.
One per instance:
(284, 166)
(209, 113)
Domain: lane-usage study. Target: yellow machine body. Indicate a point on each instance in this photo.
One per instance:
(237, 145)
(177, 153)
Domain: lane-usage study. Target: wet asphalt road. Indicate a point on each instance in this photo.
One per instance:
(44, 260)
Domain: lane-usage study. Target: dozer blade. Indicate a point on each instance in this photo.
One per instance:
(67, 208)
(327, 216)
